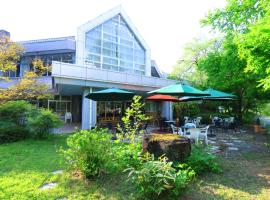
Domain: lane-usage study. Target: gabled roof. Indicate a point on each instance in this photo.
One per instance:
(108, 15)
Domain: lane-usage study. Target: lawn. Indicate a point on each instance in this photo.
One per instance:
(27, 165)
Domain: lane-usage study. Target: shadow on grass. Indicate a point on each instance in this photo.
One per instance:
(244, 177)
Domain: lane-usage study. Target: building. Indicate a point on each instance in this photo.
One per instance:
(107, 52)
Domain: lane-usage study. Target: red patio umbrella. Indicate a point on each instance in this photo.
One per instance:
(162, 97)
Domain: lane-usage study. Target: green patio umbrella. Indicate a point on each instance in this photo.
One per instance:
(179, 90)
(111, 94)
(215, 95)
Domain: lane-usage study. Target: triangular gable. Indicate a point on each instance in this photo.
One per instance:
(107, 16)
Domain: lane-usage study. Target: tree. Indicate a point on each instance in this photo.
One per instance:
(247, 22)
(254, 47)
(28, 87)
(186, 67)
(225, 71)
(10, 54)
(236, 16)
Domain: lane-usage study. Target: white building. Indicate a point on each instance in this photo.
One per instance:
(107, 52)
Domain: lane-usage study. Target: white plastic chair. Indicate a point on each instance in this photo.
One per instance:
(186, 119)
(198, 121)
(176, 130)
(68, 115)
(194, 134)
(203, 134)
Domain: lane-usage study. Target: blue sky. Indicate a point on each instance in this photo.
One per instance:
(166, 26)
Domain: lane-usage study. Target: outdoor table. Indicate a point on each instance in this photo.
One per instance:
(170, 122)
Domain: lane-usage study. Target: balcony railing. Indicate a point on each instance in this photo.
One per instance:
(74, 71)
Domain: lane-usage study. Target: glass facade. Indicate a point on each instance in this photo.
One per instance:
(48, 58)
(113, 46)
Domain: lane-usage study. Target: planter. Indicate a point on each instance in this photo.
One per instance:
(174, 147)
(259, 129)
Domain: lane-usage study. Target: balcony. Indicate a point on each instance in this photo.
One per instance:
(73, 71)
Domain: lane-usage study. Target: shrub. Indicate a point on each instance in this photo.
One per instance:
(20, 119)
(126, 155)
(202, 161)
(94, 153)
(41, 121)
(89, 152)
(13, 117)
(157, 177)
(132, 120)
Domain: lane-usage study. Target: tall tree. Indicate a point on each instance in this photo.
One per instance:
(186, 66)
(225, 71)
(254, 47)
(28, 87)
(247, 22)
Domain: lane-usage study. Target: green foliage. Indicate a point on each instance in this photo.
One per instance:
(157, 177)
(190, 109)
(89, 152)
(201, 161)
(13, 116)
(186, 67)
(94, 153)
(254, 47)
(126, 155)
(41, 121)
(236, 15)
(19, 119)
(133, 120)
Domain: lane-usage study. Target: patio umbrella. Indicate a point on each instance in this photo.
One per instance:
(162, 97)
(179, 90)
(112, 94)
(215, 95)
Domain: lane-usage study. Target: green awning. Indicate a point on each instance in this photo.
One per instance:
(218, 94)
(215, 95)
(111, 94)
(179, 90)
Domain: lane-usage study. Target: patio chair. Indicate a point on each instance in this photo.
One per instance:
(194, 134)
(176, 130)
(186, 119)
(204, 132)
(188, 126)
(68, 116)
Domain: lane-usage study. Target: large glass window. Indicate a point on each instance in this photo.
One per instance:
(47, 60)
(113, 46)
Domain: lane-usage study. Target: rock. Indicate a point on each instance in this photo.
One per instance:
(175, 147)
(48, 186)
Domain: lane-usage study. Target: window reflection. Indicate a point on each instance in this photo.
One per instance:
(113, 46)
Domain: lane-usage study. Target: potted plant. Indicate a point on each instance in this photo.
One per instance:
(257, 125)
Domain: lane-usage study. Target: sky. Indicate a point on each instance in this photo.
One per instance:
(165, 25)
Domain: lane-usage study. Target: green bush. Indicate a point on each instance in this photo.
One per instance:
(157, 177)
(20, 119)
(94, 153)
(126, 155)
(13, 118)
(41, 121)
(202, 161)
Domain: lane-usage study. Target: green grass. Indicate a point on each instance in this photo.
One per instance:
(26, 165)
(244, 178)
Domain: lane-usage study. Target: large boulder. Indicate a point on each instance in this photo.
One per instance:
(174, 147)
